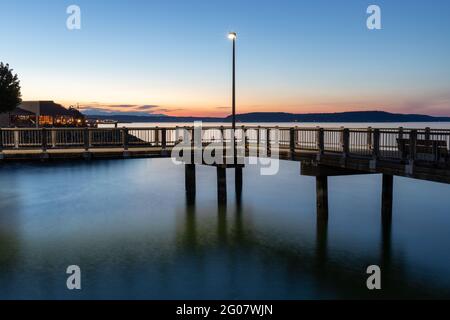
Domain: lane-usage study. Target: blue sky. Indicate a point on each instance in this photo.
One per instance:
(174, 57)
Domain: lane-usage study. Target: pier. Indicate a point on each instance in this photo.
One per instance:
(321, 152)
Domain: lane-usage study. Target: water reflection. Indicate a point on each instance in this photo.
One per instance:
(190, 235)
(321, 242)
(162, 246)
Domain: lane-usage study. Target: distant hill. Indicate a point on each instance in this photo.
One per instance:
(355, 116)
(132, 118)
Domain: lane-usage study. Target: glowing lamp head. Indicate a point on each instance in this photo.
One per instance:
(232, 35)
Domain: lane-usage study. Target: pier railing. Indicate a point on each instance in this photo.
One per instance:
(397, 144)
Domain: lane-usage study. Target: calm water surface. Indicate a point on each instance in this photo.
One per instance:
(127, 225)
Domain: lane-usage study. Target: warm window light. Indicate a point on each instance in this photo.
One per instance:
(232, 35)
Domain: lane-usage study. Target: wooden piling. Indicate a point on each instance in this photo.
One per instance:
(190, 182)
(387, 197)
(238, 183)
(221, 185)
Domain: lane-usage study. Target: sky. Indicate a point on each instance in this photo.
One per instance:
(173, 57)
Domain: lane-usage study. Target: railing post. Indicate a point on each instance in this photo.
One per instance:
(44, 139)
(193, 146)
(345, 140)
(268, 142)
(400, 132)
(185, 135)
(16, 138)
(164, 138)
(292, 141)
(376, 144)
(222, 134)
(245, 137)
(427, 133)
(53, 135)
(321, 140)
(156, 136)
(1, 141)
(176, 135)
(243, 142)
(369, 138)
(412, 145)
(86, 138)
(258, 140)
(125, 138)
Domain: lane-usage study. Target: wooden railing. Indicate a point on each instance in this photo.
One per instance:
(386, 144)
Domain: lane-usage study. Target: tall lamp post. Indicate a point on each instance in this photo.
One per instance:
(232, 36)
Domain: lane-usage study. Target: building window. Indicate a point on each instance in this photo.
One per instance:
(45, 120)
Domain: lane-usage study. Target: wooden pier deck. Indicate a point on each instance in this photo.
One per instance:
(415, 153)
(322, 152)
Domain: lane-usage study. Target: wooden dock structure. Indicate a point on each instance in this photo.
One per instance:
(322, 152)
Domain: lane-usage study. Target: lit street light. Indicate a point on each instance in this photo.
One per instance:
(232, 36)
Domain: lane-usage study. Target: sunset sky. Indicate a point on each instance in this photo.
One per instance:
(173, 57)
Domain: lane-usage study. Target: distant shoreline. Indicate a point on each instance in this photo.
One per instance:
(274, 117)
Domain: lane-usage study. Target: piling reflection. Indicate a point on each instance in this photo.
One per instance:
(329, 273)
(248, 249)
(321, 242)
(386, 247)
(190, 234)
(9, 226)
(222, 225)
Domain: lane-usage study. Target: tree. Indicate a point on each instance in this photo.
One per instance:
(10, 96)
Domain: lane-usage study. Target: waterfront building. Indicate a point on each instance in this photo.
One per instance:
(42, 114)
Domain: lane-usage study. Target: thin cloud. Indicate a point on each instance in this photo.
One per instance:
(147, 107)
(168, 110)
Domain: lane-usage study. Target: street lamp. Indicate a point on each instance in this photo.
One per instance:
(232, 36)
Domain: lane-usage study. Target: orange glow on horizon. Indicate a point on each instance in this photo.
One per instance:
(437, 108)
(226, 111)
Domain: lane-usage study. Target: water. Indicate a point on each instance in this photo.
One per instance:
(127, 225)
(410, 125)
